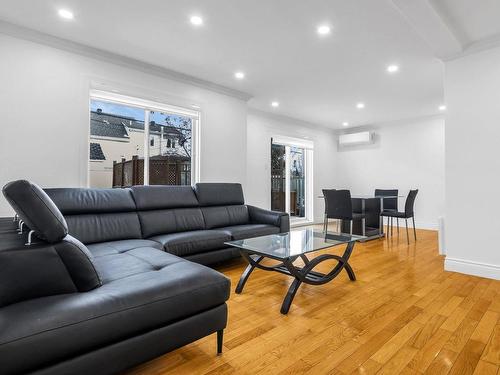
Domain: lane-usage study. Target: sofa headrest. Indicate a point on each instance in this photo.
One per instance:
(219, 194)
(36, 209)
(75, 201)
(163, 196)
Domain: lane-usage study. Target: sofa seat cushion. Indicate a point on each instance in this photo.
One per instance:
(117, 247)
(239, 232)
(55, 328)
(193, 242)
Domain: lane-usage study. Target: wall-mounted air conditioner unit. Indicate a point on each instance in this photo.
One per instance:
(361, 138)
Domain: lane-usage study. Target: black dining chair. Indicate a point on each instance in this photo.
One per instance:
(325, 219)
(407, 214)
(339, 206)
(389, 204)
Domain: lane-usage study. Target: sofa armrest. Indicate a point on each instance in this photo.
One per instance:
(276, 218)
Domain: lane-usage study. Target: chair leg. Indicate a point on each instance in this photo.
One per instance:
(414, 231)
(350, 229)
(392, 226)
(407, 238)
(363, 222)
(326, 226)
(397, 223)
(220, 337)
(325, 219)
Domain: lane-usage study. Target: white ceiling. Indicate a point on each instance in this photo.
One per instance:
(316, 79)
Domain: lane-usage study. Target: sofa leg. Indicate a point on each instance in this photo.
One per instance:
(220, 337)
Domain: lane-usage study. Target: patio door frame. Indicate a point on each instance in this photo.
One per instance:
(308, 147)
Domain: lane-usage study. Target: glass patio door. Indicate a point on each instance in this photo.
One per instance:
(289, 179)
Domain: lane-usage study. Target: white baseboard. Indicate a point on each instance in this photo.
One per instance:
(490, 271)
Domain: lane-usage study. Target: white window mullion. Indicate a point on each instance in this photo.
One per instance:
(287, 179)
(309, 185)
(146, 146)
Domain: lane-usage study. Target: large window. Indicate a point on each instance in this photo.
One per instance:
(291, 177)
(135, 142)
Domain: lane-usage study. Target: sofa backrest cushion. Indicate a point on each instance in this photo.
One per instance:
(156, 222)
(30, 272)
(219, 194)
(44, 270)
(79, 201)
(98, 215)
(157, 197)
(224, 216)
(36, 209)
(167, 209)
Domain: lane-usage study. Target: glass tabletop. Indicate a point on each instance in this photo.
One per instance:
(294, 243)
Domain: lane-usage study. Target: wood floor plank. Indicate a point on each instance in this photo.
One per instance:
(443, 363)
(398, 362)
(485, 328)
(424, 357)
(492, 350)
(396, 342)
(468, 358)
(486, 368)
(403, 315)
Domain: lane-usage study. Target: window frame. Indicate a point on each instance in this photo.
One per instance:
(153, 106)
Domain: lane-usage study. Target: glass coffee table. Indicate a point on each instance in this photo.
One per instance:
(286, 248)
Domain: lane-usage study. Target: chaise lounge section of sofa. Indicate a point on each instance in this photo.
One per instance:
(113, 277)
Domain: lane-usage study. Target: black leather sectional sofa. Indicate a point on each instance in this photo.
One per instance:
(114, 277)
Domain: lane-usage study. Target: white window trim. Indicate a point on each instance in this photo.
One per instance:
(143, 103)
(153, 106)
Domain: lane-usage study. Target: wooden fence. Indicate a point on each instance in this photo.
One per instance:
(163, 170)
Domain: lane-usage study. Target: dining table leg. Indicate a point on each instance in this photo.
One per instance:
(381, 221)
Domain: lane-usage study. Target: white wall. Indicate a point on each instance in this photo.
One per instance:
(44, 112)
(472, 92)
(261, 128)
(405, 155)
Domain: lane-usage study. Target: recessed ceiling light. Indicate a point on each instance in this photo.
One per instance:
(66, 14)
(360, 105)
(275, 104)
(196, 20)
(239, 75)
(442, 108)
(392, 68)
(345, 124)
(323, 29)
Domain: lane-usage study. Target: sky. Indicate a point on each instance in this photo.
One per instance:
(136, 113)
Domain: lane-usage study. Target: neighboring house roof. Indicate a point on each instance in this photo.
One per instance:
(96, 152)
(131, 122)
(110, 117)
(104, 129)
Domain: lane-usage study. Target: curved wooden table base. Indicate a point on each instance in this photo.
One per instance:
(301, 275)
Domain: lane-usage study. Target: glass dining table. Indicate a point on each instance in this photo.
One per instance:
(372, 206)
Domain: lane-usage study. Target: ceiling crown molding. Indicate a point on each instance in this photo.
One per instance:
(429, 24)
(446, 39)
(110, 57)
(288, 119)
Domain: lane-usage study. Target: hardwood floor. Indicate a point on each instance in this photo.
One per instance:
(403, 315)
